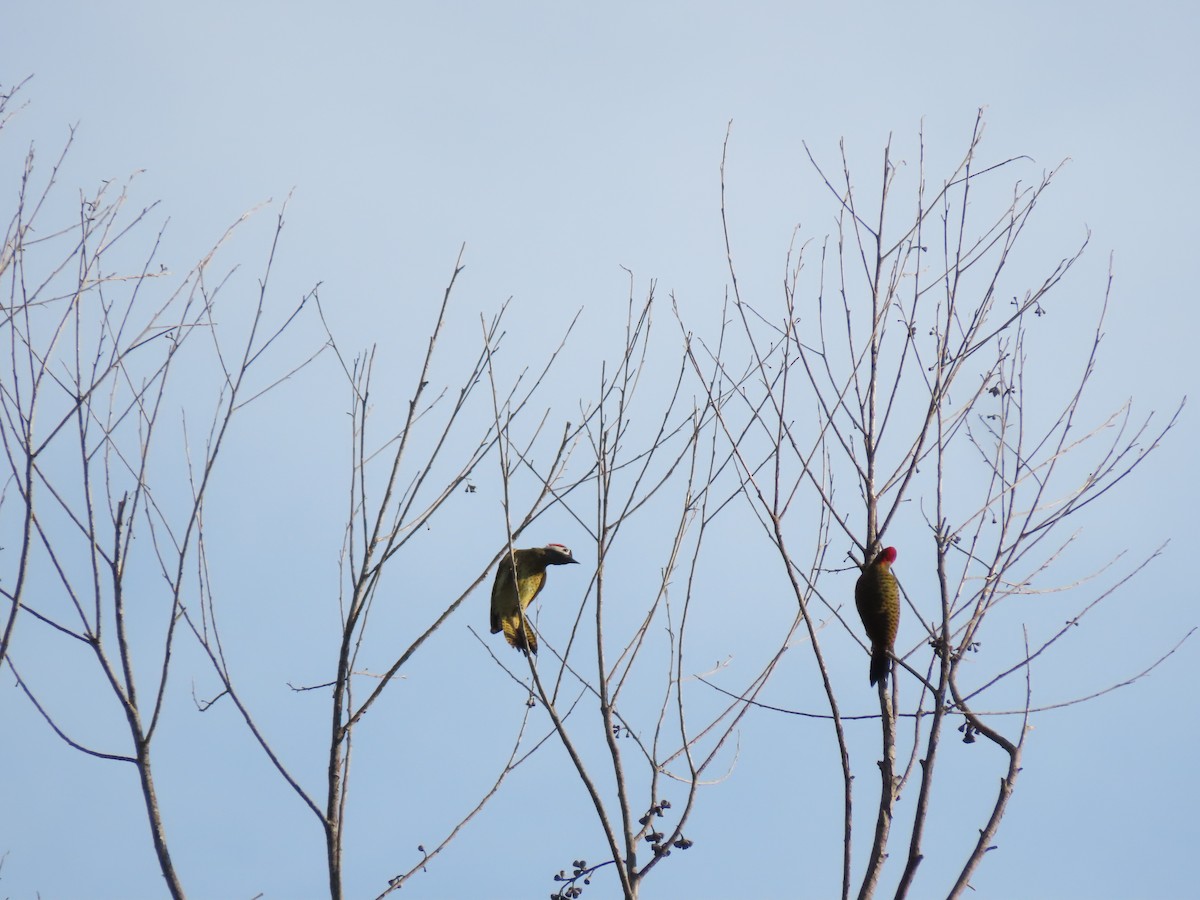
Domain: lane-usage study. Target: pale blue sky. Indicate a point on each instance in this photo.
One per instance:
(562, 142)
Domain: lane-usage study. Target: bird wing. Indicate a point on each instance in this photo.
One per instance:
(503, 593)
(866, 598)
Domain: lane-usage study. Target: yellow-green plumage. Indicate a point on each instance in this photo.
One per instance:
(877, 597)
(522, 586)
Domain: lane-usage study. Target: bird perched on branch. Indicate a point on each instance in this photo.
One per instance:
(877, 597)
(530, 578)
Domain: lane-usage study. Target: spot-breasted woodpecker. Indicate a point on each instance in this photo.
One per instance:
(877, 597)
(530, 578)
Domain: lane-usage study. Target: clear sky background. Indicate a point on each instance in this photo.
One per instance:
(566, 143)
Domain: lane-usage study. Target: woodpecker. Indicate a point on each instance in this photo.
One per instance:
(530, 579)
(877, 597)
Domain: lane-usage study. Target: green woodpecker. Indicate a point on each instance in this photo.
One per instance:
(877, 597)
(530, 579)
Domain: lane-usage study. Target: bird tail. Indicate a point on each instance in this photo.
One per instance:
(522, 638)
(880, 662)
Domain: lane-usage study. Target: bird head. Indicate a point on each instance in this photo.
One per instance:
(886, 555)
(558, 555)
